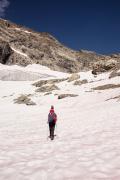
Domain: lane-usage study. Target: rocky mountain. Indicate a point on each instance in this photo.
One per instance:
(23, 46)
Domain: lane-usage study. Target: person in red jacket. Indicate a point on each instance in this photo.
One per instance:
(52, 118)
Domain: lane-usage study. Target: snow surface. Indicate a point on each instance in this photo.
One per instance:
(19, 52)
(87, 145)
(20, 29)
(28, 73)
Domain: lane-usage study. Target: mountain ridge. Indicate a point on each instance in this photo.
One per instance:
(23, 46)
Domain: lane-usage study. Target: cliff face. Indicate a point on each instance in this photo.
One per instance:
(22, 46)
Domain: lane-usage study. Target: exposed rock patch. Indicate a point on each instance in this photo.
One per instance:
(116, 97)
(103, 66)
(107, 86)
(23, 99)
(51, 81)
(47, 88)
(61, 96)
(5, 52)
(81, 82)
(47, 93)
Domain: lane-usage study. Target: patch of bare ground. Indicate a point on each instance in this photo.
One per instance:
(51, 81)
(61, 96)
(106, 86)
(116, 97)
(24, 99)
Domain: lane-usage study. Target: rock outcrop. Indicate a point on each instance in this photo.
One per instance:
(5, 52)
(47, 88)
(50, 81)
(107, 86)
(80, 82)
(103, 66)
(62, 96)
(24, 99)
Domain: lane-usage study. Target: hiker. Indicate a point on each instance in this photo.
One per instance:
(52, 118)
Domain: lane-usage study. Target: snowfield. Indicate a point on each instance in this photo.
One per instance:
(87, 145)
(28, 73)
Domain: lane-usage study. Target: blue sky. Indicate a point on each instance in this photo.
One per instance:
(79, 24)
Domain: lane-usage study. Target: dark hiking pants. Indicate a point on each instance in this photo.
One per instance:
(51, 129)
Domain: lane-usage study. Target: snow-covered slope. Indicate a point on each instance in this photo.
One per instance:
(28, 73)
(87, 145)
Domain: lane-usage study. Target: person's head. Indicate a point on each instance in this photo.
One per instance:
(52, 107)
